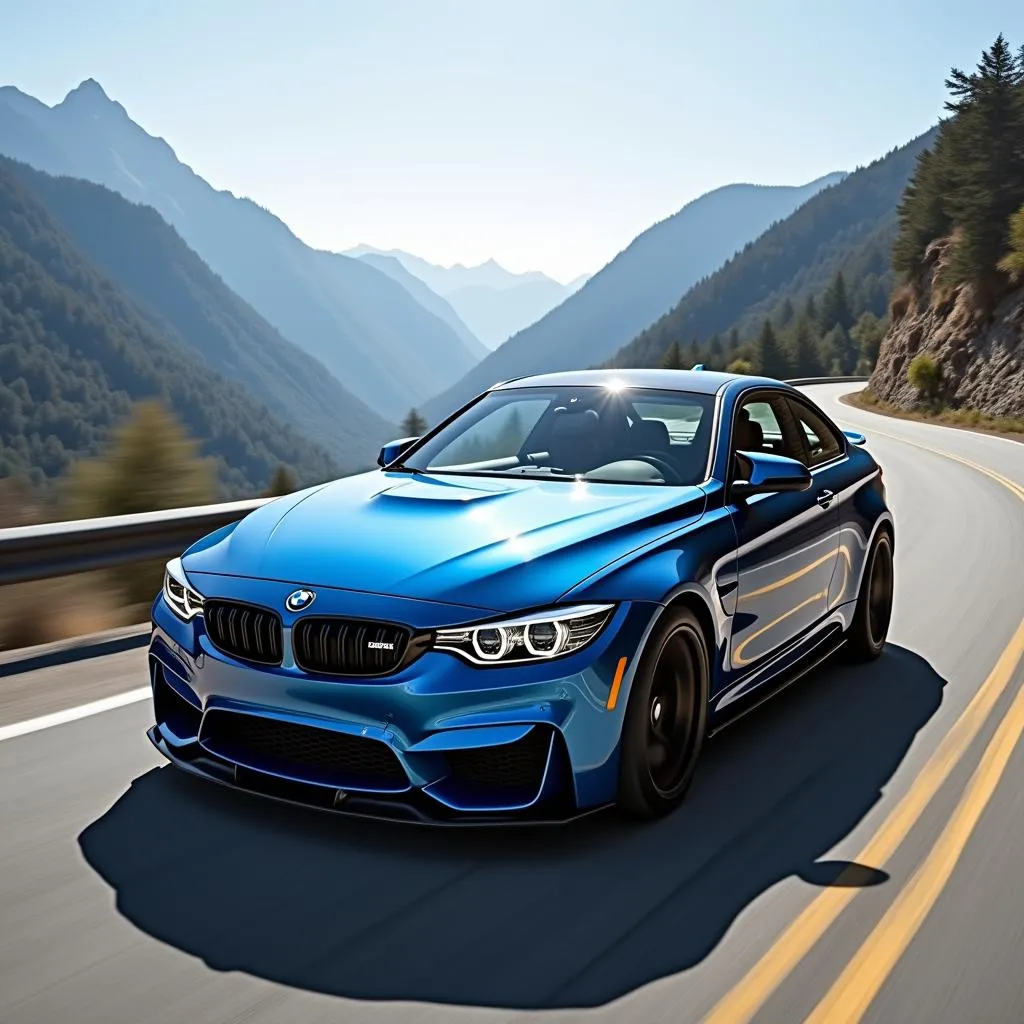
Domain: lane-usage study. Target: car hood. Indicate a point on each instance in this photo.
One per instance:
(485, 542)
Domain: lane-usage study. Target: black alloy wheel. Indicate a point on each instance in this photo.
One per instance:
(870, 627)
(666, 717)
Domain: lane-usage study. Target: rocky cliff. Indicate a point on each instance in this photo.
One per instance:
(977, 343)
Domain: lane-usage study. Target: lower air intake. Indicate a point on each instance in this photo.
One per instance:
(302, 752)
(517, 767)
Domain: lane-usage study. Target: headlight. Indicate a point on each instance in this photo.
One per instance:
(184, 601)
(537, 637)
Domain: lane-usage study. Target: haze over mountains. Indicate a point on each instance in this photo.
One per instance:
(363, 325)
(643, 282)
(493, 302)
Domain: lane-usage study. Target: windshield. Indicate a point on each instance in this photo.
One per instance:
(629, 435)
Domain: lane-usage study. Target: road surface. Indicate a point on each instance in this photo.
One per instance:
(850, 852)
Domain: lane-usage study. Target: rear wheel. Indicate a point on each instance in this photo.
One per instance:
(666, 717)
(870, 627)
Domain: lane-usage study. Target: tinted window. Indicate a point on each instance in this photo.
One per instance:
(603, 434)
(822, 442)
(766, 425)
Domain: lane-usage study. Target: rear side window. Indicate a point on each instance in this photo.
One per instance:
(823, 444)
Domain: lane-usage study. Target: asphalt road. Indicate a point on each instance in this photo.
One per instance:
(851, 851)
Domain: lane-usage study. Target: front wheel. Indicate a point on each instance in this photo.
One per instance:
(870, 627)
(665, 721)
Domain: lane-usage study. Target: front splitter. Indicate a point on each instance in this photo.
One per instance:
(361, 806)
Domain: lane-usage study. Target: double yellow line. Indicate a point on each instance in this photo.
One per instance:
(855, 989)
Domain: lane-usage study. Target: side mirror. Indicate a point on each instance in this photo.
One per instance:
(855, 438)
(769, 474)
(394, 450)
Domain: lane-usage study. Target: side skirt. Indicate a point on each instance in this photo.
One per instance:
(773, 687)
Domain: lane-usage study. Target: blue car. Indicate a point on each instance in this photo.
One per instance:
(541, 608)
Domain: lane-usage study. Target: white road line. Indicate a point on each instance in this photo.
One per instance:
(96, 707)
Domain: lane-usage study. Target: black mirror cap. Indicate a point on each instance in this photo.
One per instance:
(394, 450)
(770, 474)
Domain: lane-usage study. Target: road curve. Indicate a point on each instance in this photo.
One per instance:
(131, 893)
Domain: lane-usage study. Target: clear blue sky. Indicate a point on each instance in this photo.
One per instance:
(543, 133)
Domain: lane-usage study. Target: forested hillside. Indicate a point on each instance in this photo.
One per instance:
(835, 250)
(75, 353)
(187, 303)
(957, 336)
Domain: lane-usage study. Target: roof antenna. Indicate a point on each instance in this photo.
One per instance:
(699, 366)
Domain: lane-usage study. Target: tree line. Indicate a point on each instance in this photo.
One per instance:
(968, 189)
(827, 336)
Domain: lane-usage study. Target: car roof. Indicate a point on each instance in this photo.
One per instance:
(706, 382)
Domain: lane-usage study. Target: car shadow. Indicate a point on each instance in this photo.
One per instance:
(567, 917)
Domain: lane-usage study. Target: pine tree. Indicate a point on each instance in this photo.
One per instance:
(922, 212)
(811, 309)
(673, 357)
(716, 352)
(835, 306)
(693, 356)
(805, 355)
(838, 353)
(1013, 262)
(784, 315)
(769, 354)
(733, 344)
(414, 425)
(281, 483)
(866, 334)
(988, 157)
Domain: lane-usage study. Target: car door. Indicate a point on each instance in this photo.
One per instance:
(787, 542)
(825, 455)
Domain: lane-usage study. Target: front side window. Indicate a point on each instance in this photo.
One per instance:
(594, 433)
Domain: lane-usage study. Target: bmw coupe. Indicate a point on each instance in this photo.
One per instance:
(539, 609)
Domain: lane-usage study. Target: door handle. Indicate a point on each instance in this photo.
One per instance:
(824, 499)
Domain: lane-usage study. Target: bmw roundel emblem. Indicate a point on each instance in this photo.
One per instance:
(298, 600)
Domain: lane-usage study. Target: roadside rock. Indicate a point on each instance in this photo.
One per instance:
(980, 353)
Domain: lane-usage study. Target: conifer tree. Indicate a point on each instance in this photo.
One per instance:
(716, 352)
(835, 305)
(414, 425)
(784, 315)
(769, 354)
(673, 357)
(693, 356)
(804, 352)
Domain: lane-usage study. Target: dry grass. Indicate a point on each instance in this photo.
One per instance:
(966, 419)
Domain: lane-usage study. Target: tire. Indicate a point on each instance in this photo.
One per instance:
(666, 718)
(866, 636)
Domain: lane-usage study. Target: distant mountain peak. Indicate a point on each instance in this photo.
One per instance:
(89, 90)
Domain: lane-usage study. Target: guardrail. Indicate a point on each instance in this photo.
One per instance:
(46, 550)
(62, 549)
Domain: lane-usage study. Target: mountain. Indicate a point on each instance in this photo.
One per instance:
(428, 299)
(495, 314)
(76, 352)
(644, 281)
(445, 280)
(492, 301)
(848, 226)
(362, 325)
(186, 301)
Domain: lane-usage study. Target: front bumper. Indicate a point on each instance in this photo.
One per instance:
(440, 741)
